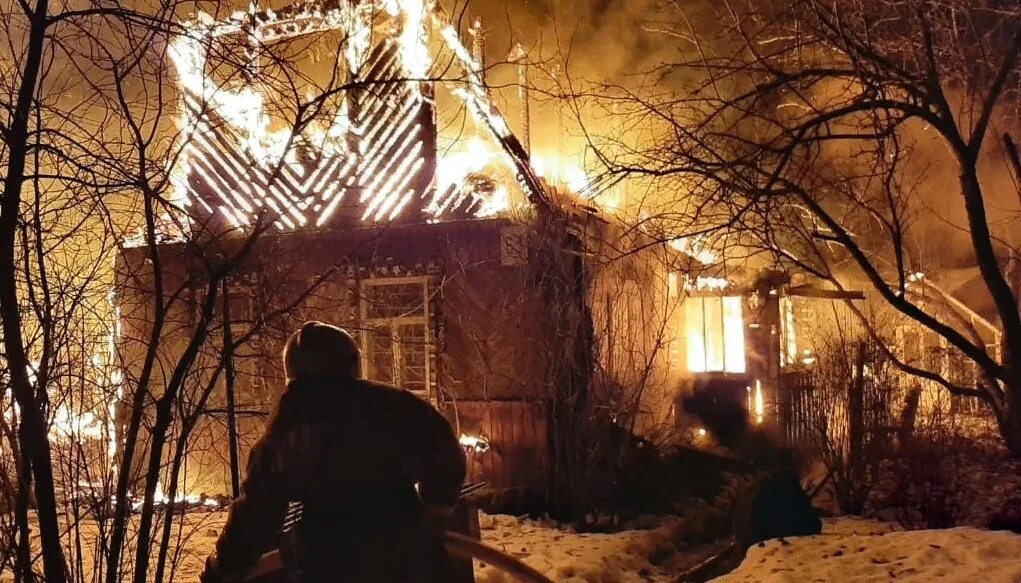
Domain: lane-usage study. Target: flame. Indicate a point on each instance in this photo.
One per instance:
(559, 171)
(452, 171)
(414, 51)
(695, 247)
(357, 18)
(760, 405)
(705, 283)
(575, 178)
(715, 334)
(243, 109)
(476, 443)
(494, 205)
(539, 166)
(66, 425)
(788, 335)
(159, 496)
(454, 167)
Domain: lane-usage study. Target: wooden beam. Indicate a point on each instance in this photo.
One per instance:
(808, 291)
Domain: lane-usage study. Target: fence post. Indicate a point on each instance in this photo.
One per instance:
(856, 426)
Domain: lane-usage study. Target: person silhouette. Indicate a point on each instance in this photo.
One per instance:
(376, 469)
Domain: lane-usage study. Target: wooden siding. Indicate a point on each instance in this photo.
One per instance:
(516, 431)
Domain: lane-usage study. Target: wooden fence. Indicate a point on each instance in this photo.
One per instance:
(857, 411)
(796, 408)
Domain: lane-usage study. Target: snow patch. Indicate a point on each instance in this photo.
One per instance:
(864, 551)
(567, 556)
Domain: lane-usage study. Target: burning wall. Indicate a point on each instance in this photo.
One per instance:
(448, 310)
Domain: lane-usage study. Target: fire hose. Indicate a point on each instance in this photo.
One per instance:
(458, 545)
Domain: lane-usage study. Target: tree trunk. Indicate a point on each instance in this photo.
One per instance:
(164, 418)
(23, 550)
(35, 445)
(228, 382)
(136, 407)
(1010, 425)
(180, 450)
(856, 433)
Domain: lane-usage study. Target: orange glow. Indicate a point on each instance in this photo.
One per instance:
(696, 248)
(715, 334)
(788, 338)
(575, 178)
(539, 166)
(559, 171)
(760, 405)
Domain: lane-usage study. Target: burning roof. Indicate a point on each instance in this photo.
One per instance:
(363, 143)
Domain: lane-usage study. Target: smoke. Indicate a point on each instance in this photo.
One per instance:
(600, 39)
(571, 47)
(582, 43)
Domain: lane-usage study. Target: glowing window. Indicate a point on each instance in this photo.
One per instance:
(397, 332)
(715, 332)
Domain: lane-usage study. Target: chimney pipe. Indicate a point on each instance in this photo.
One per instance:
(518, 55)
(478, 48)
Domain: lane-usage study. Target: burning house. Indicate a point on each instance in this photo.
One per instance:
(373, 184)
(377, 187)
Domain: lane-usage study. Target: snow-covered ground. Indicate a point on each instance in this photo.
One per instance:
(849, 550)
(570, 557)
(860, 551)
(563, 555)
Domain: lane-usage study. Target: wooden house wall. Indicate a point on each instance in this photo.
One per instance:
(638, 331)
(516, 435)
(485, 321)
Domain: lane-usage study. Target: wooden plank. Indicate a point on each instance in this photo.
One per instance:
(809, 291)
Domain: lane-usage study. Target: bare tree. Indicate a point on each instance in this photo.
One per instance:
(847, 141)
(110, 393)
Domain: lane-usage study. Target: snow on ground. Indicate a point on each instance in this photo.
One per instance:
(849, 550)
(861, 551)
(563, 555)
(569, 557)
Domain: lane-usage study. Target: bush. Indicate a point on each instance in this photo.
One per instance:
(940, 479)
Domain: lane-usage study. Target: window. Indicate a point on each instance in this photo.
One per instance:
(715, 331)
(397, 332)
(241, 307)
(923, 348)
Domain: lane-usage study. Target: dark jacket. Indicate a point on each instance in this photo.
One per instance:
(352, 452)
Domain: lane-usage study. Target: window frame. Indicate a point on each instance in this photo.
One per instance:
(725, 339)
(393, 323)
